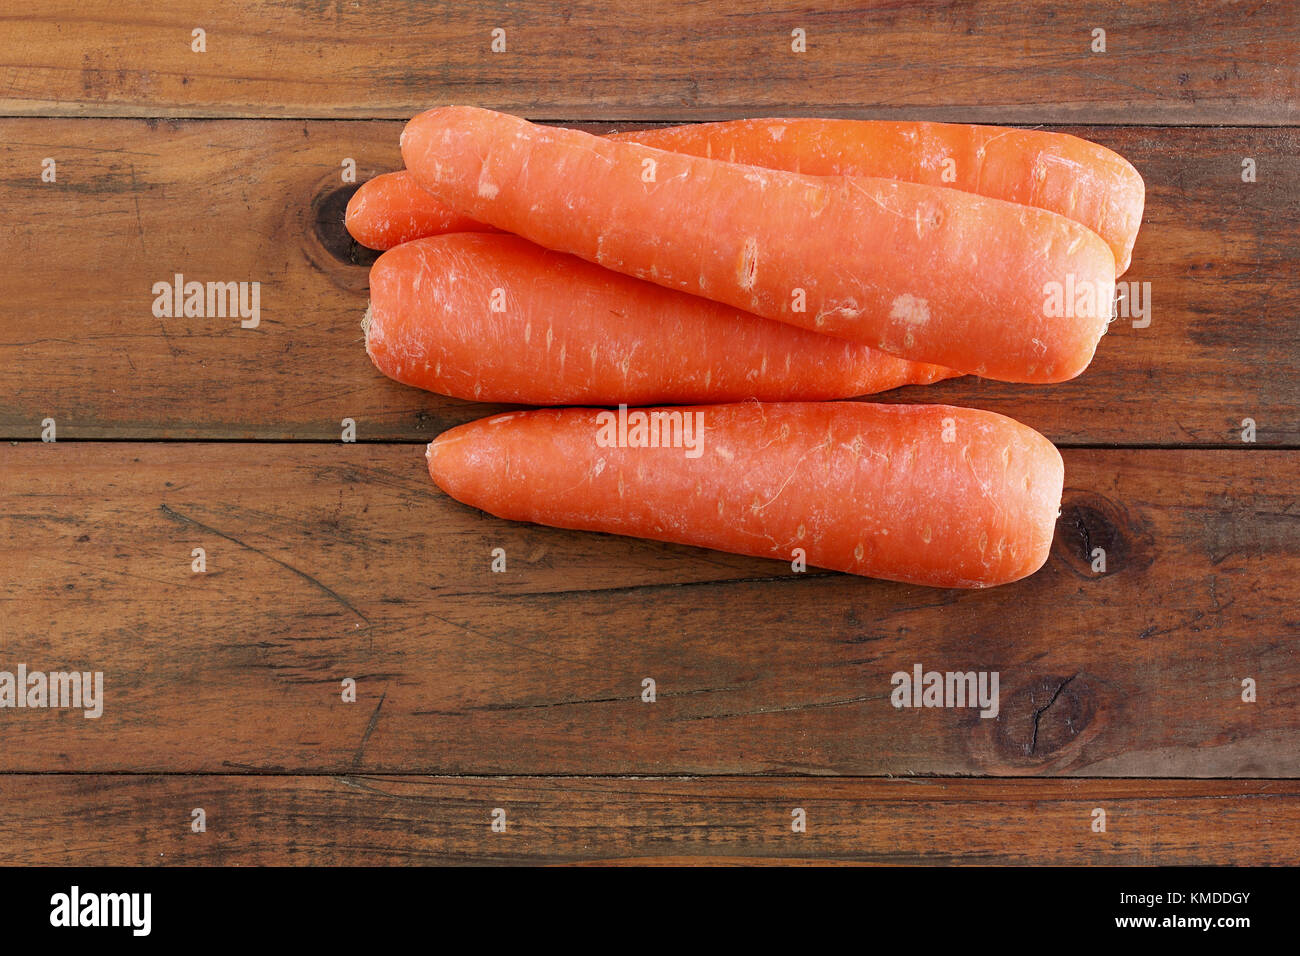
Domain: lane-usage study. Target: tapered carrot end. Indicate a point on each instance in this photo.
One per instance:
(450, 462)
(363, 215)
(473, 462)
(356, 209)
(420, 122)
(424, 130)
(445, 147)
(431, 461)
(437, 465)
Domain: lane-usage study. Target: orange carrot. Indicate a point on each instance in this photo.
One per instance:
(934, 275)
(493, 317)
(393, 208)
(1078, 179)
(926, 494)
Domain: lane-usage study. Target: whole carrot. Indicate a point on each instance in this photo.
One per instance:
(492, 317)
(933, 275)
(925, 494)
(1078, 179)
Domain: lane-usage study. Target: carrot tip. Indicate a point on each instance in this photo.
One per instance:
(365, 325)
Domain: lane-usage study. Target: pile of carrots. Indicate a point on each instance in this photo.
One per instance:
(734, 282)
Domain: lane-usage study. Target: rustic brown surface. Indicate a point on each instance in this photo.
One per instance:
(245, 201)
(997, 61)
(327, 562)
(145, 820)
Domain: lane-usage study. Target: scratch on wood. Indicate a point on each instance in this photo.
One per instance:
(370, 728)
(171, 513)
(135, 198)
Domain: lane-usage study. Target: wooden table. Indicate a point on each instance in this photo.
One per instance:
(522, 692)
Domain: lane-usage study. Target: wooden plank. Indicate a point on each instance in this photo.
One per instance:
(258, 821)
(1164, 62)
(332, 562)
(263, 202)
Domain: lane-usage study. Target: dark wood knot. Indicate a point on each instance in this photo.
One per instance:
(1090, 521)
(328, 210)
(1042, 718)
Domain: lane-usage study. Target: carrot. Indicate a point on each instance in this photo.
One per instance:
(934, 275)
(1078, 179)
(493, 317)
(393, 208)
(925, 494)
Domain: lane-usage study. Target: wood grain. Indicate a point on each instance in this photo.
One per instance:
(263, 201)
(999, 61)
(354, 820)
(330, 562)
(523, 690)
